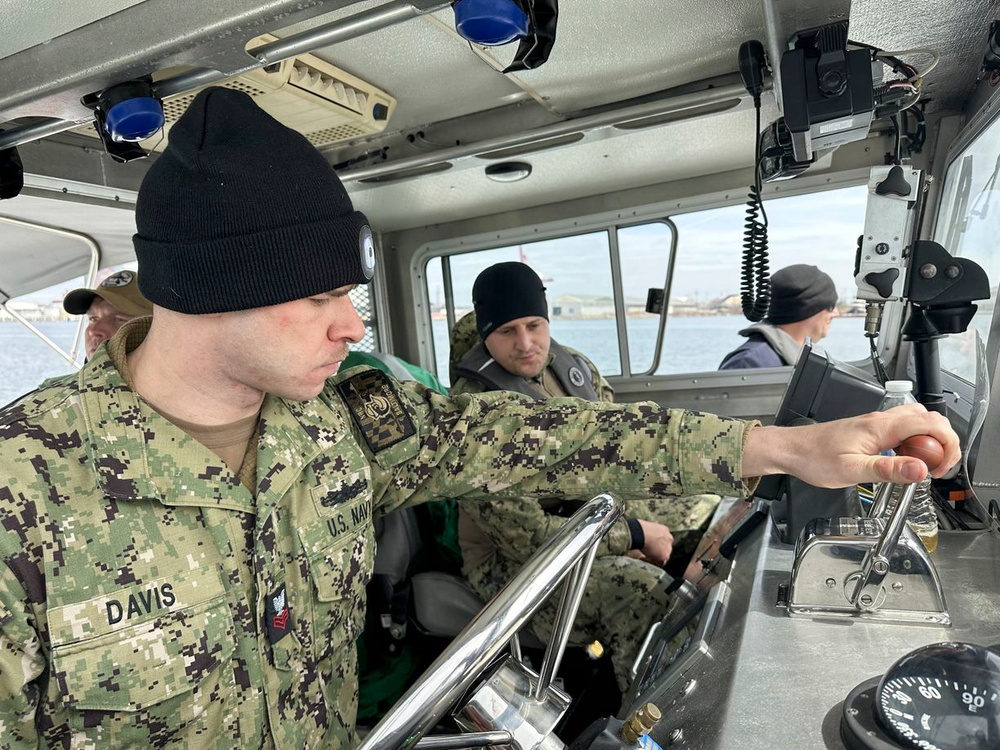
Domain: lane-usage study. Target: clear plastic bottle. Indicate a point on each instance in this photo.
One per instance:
(922, 516)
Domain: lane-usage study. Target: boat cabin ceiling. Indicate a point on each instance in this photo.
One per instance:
(635, 94)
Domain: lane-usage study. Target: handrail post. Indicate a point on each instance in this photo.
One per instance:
(569, 603)
(455, 670)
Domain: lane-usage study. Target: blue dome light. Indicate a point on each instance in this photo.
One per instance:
(134, 119)
(490, 22)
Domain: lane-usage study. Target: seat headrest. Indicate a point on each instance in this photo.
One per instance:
(462, 338)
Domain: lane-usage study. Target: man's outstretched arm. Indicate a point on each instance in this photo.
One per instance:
(847, 451)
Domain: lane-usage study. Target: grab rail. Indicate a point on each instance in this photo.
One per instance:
(89, 281)
(570, 551)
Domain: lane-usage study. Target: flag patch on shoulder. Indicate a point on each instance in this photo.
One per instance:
(374, 404)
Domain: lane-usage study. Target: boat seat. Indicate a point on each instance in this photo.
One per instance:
(443, 604)
(438, 603)
(462, 338)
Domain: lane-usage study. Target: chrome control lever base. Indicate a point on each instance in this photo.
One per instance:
(843, 568)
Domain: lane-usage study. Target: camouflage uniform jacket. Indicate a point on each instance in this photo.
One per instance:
(147, 598)
(518, 528)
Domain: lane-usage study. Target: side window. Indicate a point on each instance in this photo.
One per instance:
(645, 262)
(705, 315)
(28, 360)
(576, 272)
(968, 224)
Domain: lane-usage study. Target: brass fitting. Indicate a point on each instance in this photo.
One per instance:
(640, 723)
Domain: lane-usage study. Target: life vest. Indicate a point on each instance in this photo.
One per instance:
(571, 370)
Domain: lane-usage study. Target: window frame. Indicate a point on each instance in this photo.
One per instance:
(607, 221)
(961, 390)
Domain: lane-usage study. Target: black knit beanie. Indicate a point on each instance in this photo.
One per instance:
(505, 292)
(240, 212)
(799, 292)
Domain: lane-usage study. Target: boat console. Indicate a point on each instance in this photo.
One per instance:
(757, 675)
(818, 625)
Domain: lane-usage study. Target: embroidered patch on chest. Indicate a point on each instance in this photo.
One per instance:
(278, 615)
(375, 407)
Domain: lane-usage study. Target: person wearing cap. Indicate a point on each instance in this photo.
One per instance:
(109, 306)
(515, 352)
(803, 303)
(186, 524)
(513, 349)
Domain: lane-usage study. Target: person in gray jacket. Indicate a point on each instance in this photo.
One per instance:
(803, 303)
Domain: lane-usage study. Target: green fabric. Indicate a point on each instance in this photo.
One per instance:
(383, 677)
(355, 358)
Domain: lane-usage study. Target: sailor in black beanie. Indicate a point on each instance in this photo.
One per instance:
(241, 212)
(516, 353)
(506, 291)
(512, 318)
(803, 303)
(514, 350)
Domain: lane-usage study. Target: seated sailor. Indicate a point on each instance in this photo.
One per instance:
(513, 351)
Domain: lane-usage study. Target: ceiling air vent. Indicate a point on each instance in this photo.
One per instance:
(321, 101)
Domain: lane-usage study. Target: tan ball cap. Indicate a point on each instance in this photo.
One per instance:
(121, 289)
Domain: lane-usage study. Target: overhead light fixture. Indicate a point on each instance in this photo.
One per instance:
(490, 23)
(125, 114)
(508, 171)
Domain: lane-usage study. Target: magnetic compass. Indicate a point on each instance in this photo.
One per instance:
(945, 696)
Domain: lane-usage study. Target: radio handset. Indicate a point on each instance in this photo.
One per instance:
(755, 280)
(752, 65)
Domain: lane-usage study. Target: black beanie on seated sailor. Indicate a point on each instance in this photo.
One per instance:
(799, 292)
(505, 292)
(240, 211)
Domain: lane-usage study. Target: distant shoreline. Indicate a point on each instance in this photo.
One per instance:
(442, 316)
(644, 315)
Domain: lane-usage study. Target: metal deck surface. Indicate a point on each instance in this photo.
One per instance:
(767, 680)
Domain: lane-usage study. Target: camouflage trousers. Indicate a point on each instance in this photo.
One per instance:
(623, 598)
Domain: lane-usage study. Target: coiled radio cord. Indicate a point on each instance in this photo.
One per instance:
(755, 282)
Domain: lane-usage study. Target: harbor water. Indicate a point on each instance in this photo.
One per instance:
(692, 344)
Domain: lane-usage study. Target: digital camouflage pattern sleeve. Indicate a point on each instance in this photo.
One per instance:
(466, 386)
(511, 525)
(519, 528)
(504, 444)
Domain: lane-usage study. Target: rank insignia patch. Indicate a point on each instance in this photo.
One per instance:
(278, 615)
(375, 407)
